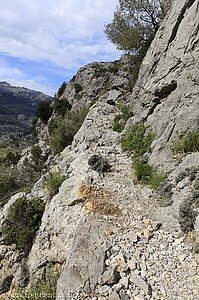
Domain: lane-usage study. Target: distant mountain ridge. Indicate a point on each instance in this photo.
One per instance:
(17, 109)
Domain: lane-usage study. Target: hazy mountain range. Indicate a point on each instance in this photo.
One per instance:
(17, 109)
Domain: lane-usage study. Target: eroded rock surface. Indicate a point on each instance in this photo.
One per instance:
(106, 234)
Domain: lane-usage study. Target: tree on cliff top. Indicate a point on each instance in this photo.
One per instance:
(134, 25)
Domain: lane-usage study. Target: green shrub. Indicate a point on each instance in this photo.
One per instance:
(14, 179)
(44, 111)
(62, 130)
(12, 158)
(37, 159)
(115, 66)
(9, 156)
(61, 89)
(53, 182)
(9, 185)
(118, 123)
(43, 289)
(147, 174)
(137, 140)
(189, 143)
(121, 119)
(78, 87)
(126, 112)
(60, 136)
(99, 70)
(9, 175)
(29, 173)
(22, 222)
(61, 106)
(99, 164)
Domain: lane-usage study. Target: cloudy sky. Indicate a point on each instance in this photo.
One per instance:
(44, 42)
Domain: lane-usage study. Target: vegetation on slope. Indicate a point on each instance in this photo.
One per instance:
(120, 120)
(14, 178)
(22, 222)
(63, 128)
(188, 143)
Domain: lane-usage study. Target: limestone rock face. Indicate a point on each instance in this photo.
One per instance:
(108, 82)
(166, 5)
(104, 233)
(165, 98)
(166, 94)
(86, 260)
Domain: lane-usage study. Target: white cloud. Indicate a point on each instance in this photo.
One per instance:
(66, 32)
(17, 77)
(31, 84)
(4, 72)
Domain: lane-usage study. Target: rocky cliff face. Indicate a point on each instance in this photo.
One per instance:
(106, 234)
(17, 109)
(165, 98)
(105, 82)
(166, 5)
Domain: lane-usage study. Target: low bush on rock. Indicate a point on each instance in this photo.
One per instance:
(53, 183)
(188, 143)
(78, 87)
(22, 222)
(147, 174)
(120, 120)
(61, 106)
(42, 289)
(63, 129)
(61, 89)
(99, 164)
(137, 141)
(37, 159)
(100, 70)
(44, 111)
(8, 186)
(10, 158)
(10, 181)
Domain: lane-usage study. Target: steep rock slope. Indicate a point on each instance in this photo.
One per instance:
(165, 98)
(103, 232)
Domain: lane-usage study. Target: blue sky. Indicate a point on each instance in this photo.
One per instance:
(43, 43)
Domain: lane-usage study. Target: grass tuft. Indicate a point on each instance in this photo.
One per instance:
(147, 174)
(121, 119)
(137, 140)
(189, 143)
(53, 183)
(43, 289)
